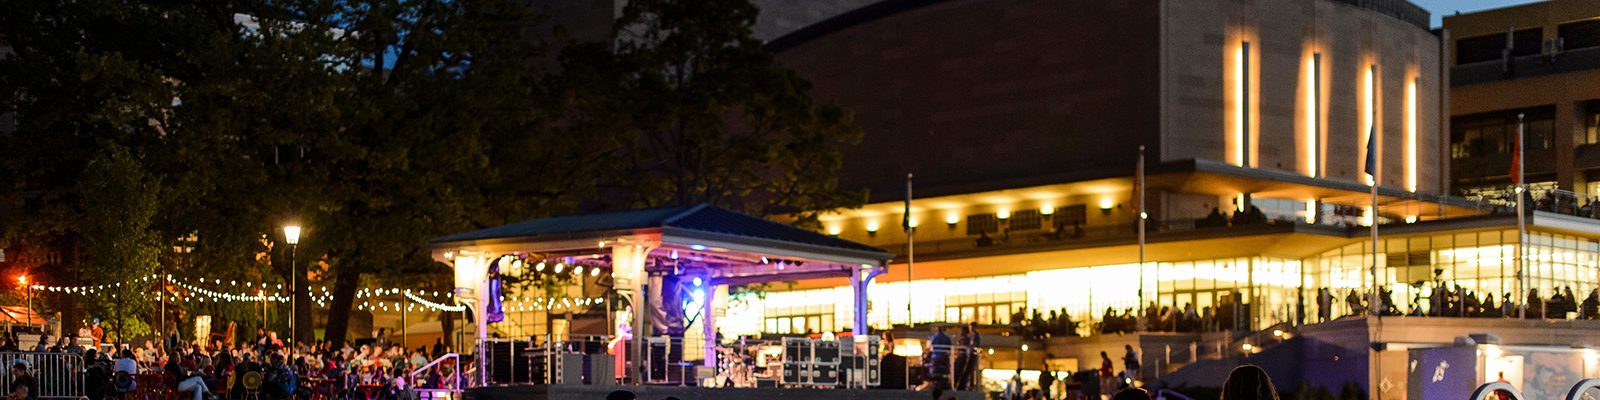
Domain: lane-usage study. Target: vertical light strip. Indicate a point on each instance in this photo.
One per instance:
(1411, 135)
(1369, 98)
(1311, 210)
(1313, 126)
(1244, 104)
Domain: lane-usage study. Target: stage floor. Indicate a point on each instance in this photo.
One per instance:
(593, 392)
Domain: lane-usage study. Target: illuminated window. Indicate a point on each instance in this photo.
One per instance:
(1492, 133)
(1591, 124)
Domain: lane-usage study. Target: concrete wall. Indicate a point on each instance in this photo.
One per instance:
(1200, 46)
(779, 17)
(973, 92)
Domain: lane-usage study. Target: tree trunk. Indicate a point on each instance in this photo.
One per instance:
(447, 328)
(345, 284)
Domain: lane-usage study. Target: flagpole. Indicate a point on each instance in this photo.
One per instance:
(1140, 214)
(1522, 227)
(1372, 168)
(905, 222)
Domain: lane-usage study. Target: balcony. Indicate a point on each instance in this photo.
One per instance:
(1525, 67)
(1100, 236)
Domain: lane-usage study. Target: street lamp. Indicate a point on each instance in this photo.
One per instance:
(291, 235)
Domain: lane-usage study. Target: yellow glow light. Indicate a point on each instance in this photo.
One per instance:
(1003, 213)
(1311, 210)
(834, 230)
(1369, 119)
(913, 222)
(952, 218)
(1411, 135)
(1311, 115)
(1493, 351)
(1411, 219)
(1047, 209)
(1105, 203)
(872, 226)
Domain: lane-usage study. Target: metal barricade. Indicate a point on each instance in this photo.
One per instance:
(449, 386)
(952, 366)
(57, 375)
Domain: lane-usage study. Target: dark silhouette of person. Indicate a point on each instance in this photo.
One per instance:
(1248, 382)
(1131, 394)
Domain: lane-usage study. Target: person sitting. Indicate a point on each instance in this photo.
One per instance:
(23, 385)
(281, 381)
(1591, 305)
(186, 379)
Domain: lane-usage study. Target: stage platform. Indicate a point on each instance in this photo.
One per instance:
(599, 392)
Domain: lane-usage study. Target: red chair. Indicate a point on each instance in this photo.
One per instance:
(172, 392)
(151, 387)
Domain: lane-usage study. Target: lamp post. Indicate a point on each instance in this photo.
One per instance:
(28, 291)
(291, 235)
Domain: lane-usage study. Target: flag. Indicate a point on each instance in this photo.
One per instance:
(1516, 159)
(1372, 154)
(905, 220)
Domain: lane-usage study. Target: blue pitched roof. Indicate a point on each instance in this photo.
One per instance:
(703, 218)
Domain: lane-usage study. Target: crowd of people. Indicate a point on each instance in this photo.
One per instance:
(1454, 301)
(1041, 325)
(373, 369)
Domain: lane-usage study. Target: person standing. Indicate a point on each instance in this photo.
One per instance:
(1013, 389)
(1130, 363)
(1047, 379)
(98, 334)
(1105, 371)
(939, 357)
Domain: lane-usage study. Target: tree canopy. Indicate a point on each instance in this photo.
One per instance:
(179, 137)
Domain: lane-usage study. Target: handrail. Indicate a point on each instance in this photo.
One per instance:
(454, 378)
(436, 361)
(1484, 392)
(1581, 387)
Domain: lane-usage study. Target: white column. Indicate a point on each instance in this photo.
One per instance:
(708, 324)
(627, 265)
(861, 278)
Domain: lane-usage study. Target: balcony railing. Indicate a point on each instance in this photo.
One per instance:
(1099, 235)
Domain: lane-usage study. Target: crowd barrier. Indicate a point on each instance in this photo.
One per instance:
(59, 375)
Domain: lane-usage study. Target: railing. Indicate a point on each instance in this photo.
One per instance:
(447, 386)
(944, 363)
(544, 359)
(1525, 66)
(1164, 394)
(56, 375)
